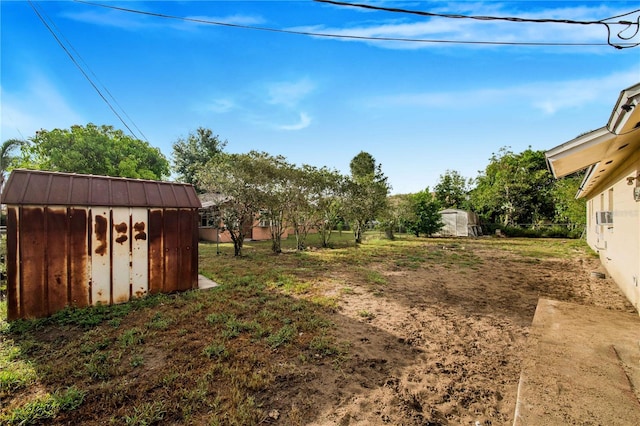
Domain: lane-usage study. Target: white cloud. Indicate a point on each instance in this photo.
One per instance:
(289, 93)
(548, 97)
(135, 21)
(220, 106)
(40, 106)
(303, 122)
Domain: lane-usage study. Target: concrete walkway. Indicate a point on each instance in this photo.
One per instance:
(582, 366)
(204, 283)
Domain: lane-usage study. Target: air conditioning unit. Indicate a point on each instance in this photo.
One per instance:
(604, 218)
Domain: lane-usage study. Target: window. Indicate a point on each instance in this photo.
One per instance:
(604, 218)
(208, 218)
(263, 219)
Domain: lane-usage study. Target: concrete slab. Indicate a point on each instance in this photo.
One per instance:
(204, 283)
(582, 366)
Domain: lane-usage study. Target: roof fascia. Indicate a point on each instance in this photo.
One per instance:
(628, 99)
(595, 137)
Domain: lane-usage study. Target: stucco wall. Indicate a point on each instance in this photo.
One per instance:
(618, 244)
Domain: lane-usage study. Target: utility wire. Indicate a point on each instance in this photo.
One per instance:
(86, 65)
(341, 36)
(607, 25)
(75, 62)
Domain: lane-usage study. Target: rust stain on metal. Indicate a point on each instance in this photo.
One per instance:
(80, 285)
(138, 228)
(56, 258)
(171, 237)
(101, 234)
(121, 228)
(156, 256)
(13, 286)
(33, 261)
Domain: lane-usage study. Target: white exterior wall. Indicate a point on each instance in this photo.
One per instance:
(618, 244)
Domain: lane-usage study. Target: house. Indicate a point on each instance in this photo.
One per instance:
(611, 187)
(80, 240)
(212, 229)
(459, 223)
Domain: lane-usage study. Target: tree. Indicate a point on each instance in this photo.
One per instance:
(568, 208)
(424, 214)
(315, 203)
(91, 149)
(367, 191)
(233, 176)
(7, 158)
(191, 154)
(274, 180)
(514, 189)
(452, 190)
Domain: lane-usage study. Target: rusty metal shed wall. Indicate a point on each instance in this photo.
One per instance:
(59, 256)
(63, 250)
(36, 187)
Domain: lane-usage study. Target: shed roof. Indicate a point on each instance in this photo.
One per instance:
(38, 187)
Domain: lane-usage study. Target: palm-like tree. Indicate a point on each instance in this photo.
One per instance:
(6, 157)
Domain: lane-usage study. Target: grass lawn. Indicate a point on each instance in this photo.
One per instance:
(252, 349)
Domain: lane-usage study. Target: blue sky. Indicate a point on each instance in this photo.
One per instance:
(418, 108)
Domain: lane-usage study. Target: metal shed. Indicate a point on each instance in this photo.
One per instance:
(80, 240)
(460, 223)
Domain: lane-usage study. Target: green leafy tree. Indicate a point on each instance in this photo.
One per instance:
(275, 181)
(514, 189)
(234, 176)
(7, 158)
(91, 149)
(568, 208)
(190, 154)
(451, 191)
(315, 204)
(423, 213)
(367, 191)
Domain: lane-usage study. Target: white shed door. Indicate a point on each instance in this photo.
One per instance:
(100, 256)
(120, 241)
(139, 253)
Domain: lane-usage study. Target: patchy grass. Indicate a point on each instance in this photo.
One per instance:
(228, 355)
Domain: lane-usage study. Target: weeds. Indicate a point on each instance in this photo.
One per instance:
(45, 408)
(146, 414)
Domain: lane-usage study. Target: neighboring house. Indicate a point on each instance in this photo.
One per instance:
(80, 240)
(611, 186)
(459, 223)
(212, 229)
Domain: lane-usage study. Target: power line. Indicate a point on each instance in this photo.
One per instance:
(86, 65)
(341, 36)
(75, 62)
(607, 25)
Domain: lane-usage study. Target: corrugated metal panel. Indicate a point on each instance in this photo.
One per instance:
(60, 256)
(139, 253)
(56, 257)
(35, 187)
(120, 255)
(79, 257)
(156, 251)
(33, 290)
(100, 256)
(13, 265)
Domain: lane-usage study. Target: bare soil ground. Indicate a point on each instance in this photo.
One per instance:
(442, 344)
(424, 332)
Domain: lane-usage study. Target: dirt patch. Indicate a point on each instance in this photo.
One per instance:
(442, 344)
(414, 332)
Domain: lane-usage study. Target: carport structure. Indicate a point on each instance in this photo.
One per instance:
(80, 240)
